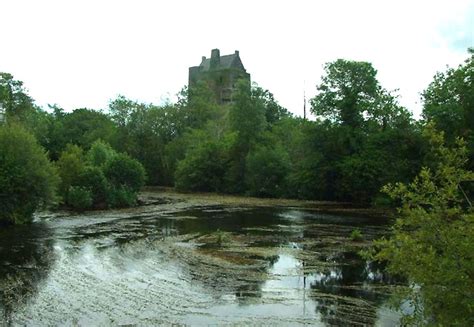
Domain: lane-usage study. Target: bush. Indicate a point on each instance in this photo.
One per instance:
(123, 171)
(102, 178)
(203, 169)
(121, 197)
(27, 178)
(70, 165)
(266, 172)
(93, 179)
(99, 153)
(79, 198)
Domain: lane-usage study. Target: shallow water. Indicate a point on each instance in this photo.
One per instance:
(197, 266)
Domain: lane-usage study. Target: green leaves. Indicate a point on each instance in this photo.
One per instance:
(449, 100)
(99, 179)
(266, 171)
(27, 178)
(124, 171)
(432, 244)
(204, 168)
(347, 90)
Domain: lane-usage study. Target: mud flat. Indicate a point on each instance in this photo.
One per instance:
(195, 259)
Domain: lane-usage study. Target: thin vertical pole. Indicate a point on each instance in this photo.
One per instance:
(304, 100)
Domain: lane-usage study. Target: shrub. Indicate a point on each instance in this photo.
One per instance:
(121, 197)
(70, 165)
(203, 169)
(79, 198)
(99, 153)
(93, 179)
(27, 178)
(266, 172)
(123, 171)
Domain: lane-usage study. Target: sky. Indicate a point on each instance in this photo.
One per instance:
(85, 53)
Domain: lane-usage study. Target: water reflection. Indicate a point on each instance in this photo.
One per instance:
(276, 266)
(26, 256)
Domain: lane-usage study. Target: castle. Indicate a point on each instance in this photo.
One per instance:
(221, 73)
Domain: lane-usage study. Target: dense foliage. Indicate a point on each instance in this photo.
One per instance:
(27, 178)
(449, 103)
(361, 139)
(432, 243)
(100, 178)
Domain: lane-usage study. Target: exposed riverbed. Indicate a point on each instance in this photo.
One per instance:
(194, 260)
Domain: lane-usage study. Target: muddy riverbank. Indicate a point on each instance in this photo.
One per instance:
(162, 194)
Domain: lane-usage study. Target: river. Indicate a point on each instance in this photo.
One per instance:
(173, 261)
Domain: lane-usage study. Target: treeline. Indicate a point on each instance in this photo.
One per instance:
(362, 139)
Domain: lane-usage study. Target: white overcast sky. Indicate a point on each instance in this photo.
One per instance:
(84, 53)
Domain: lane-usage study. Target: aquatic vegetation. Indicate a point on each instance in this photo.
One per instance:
(182, 260)
(356, 235)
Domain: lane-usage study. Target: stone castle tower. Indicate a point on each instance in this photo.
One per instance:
(221, 73)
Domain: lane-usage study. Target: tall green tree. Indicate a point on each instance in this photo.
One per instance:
(449, 103)
(85, 126)
(247, 121)
(266, 171)
(14, 98)
(348, 90)
(365, 137)
(274, 112)
(198, 104)
(204, 167)
(449, 100)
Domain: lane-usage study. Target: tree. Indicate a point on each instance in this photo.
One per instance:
(449, 100)
(266, 171)
(20, 108)
(247, 115)
(432, 243)
(203, 169)
(85, 126)
(124, 171)
(144, 131)
(100, 153)
(14, 98)
(365, 138)
(247, 120)
(348, 90)
(93, 180)
(70, 165)
(449, 103)
(27, 179)
(198, 104)
(126, 176)
(273, 111)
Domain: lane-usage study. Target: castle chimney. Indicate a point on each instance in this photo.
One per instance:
(237, 53)
(203, 58)
(215, 58)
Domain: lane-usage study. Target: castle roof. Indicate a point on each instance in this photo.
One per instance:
(218, 62)
(225, 62)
